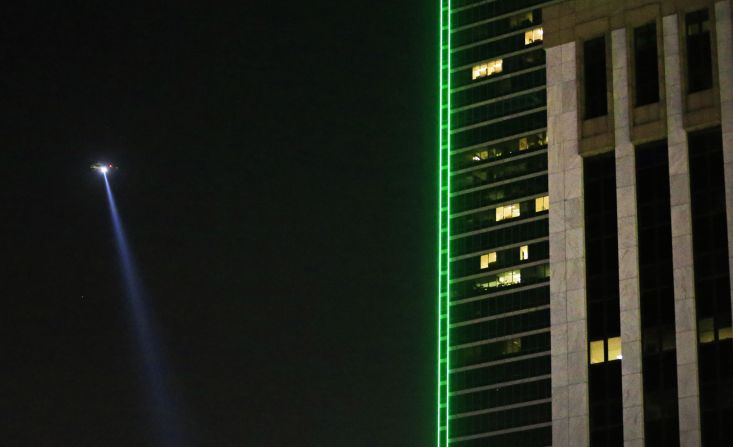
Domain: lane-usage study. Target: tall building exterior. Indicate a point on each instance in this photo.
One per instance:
(585, 231)
(494, 370)
(640, 123)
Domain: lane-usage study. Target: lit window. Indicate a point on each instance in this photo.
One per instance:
(596, 352)
(541, 204)
(725, 333)
(706, 330)
(487, 68)
(533, 35)
(480, 156)
(487, 259)
(507, 212)
(609, 353)
(512, 346)
(509, 278)
(524, 252)
(523, 144)
(614, 349)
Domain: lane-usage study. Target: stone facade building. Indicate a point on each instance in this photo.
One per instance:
(640, 128)
(585, 227)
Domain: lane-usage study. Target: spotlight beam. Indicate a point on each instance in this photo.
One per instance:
(165, 412)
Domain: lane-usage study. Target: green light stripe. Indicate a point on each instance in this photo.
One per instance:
(444, 187)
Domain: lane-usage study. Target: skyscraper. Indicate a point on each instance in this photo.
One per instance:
(494, 369)
(640, 118)
(585, 231)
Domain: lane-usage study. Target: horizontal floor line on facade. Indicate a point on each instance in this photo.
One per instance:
(488, 341)
(495, 56)
(474, 105)
(487, 296)
(494, 205)
(484, 144)
(499, 248)
(493, 18)
(501, 432)
(527, 153)
(497, 120)
(465, 7)
(506, 225)
(499, 316)
(501, 270)
(497, 78)
(498, 362)
(511, 33)
(498, 409)
(500, 384)
(500, 183)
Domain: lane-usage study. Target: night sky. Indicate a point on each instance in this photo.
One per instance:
(277, 185)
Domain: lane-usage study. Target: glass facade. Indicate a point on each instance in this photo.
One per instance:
(656, 284)
(494, 347)
(604, 324)
(712, 286)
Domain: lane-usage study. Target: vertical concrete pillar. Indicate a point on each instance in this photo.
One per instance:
(567, 253)
(628, 248)
(725, 79)
(682, 257)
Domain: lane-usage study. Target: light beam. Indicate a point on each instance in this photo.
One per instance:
(165, 412)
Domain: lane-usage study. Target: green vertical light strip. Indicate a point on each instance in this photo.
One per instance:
(444, 226)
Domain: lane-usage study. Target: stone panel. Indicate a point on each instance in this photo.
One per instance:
(567, 254)
(724, 35)
(679, 182)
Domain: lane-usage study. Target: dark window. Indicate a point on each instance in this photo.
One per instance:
(500, 420)
(712, 286)
(594, 69)
(536, 437)
(659, 360)
(645, 59)
(699, 55)
(601, 248)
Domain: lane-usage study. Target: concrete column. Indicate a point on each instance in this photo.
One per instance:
(725, 77)
(567, 254)
(682, 257)
(628, 249)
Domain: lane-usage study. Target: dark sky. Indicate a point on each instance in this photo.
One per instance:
(277, 185)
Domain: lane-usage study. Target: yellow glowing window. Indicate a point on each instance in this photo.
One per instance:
(596, 352)
(480, 156)
(512, 346)
(509, 278)
(541, 204)
(507, 212)
(487, 68)
(614, 349)
(706, 330)
(487, 259)
(523, 143)
(524, 252)
(725, 333)
(533, 35)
